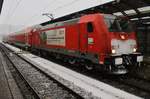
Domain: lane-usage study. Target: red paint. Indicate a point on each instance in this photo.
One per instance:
(77, 37)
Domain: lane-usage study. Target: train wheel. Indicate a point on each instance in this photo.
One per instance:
(110, 68)
(58, 56)
(89, 67)
(43, 53)
(72, 61)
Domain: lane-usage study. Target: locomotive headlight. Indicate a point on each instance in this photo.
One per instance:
(113, 51)
(114, 48)
(134, 49)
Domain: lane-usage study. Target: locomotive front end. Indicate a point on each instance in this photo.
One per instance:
(123, 45)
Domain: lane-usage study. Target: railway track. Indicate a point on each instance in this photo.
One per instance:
(127, 82)
(39, 83)
(132, 84)
(135, 82)
(26, 90)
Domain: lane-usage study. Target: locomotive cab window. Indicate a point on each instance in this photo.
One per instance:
(117, 24)
(90, 28)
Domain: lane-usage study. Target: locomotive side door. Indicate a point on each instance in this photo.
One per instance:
(87, 37)
(30, 41)
(90, 37)
(83, 38)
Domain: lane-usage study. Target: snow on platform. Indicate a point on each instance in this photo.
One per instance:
(94, 87)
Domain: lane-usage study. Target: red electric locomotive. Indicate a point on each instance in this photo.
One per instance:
(96, 40)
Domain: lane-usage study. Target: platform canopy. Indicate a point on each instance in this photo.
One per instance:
(137, 11)
(1, 4)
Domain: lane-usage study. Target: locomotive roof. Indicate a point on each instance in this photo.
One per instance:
(62, 23)
(18, 32)
(69, 22)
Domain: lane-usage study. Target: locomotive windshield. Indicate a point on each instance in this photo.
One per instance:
(116, 24)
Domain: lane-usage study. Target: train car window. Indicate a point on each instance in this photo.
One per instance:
(90, 27)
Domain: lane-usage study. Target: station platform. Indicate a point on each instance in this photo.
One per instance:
(8, 87)
(75, 81)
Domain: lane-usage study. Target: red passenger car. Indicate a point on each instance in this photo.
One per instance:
(95, 40)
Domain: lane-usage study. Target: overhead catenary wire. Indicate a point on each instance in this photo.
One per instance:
(13, 11)
(34, 15)
(56, 9)
(8, 13)
(65, 5)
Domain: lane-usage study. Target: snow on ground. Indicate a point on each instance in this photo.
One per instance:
(95, 87)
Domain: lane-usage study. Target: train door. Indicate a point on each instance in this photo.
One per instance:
(30, 38)
(87, 37)
(90, 37)
(35, 39)
(26, 39)
(83, 38)
(43, 38)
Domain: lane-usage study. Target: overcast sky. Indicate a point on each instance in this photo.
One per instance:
(18, 14)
